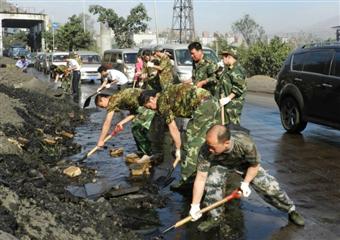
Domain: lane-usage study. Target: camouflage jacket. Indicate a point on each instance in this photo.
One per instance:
(233, 80)
(180, 100)
(205, 69)
(242, 155)
(126, 99)
(152, 79)
(165, 74)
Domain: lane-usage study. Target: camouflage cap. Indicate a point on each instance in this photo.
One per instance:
(158, 48)
(230, 51)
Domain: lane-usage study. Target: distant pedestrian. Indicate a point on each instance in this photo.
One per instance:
(22, 64)
(164, 69)
(74, 67)
(112, 76)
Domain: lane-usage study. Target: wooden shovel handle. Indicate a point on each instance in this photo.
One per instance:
(176, 162)
(234, 194)
(222, 112)
(96, 147)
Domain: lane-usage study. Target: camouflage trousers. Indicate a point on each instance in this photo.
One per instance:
(232, 112)
(66, 84)
(156, 134)
(264, 184)
(206, 115)
(140, 128)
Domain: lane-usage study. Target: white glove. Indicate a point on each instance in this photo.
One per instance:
(150, 64)
(245, 189)
(195, 212)
(224, 101)
(220, 64)
(178, 154)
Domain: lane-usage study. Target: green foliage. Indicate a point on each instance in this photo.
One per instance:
(249, 29)
(19, 37)
(70, 36)
(265, 58)
(220, 44)
(123, 28)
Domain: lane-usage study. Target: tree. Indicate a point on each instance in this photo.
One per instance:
(20, 37)
(249, 29)
(70, 36)
(123, 28)
(265, 58)
(219, 44)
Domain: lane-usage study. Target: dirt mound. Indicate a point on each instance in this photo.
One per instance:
(33, 201)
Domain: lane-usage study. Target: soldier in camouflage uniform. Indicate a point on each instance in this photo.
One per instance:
(141, 117)
(164, 69)
(186, 101)
(203, 71)
(222, 154)
(149, 76)
(232, 86)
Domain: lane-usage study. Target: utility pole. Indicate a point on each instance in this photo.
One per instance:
(156, 25)
(84, 22)
(183, 27)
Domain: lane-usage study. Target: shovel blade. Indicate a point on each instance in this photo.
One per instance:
(87, 102)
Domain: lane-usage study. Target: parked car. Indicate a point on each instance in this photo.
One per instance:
(56, 59)
(308, 87)
(123, 60)
(14, 50)
(182, 60)
(90, 64)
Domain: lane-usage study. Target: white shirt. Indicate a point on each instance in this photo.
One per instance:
(21, 64)
(118, 76)
(74, 64)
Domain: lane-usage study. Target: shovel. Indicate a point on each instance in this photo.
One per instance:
(112, 134)
(164, 181)
(234, 195)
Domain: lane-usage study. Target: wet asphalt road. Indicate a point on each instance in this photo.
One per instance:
(307, 166)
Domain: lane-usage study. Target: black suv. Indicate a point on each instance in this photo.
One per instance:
(308, 87)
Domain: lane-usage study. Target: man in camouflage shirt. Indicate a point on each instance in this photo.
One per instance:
(149, 76)
(223, 154)
(186, 101)
(164, 69)
(127, 99)
(232, 86)
(203, 71)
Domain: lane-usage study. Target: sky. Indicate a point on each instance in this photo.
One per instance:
(275, 16)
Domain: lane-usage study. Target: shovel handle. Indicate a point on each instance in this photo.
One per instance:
(176, 162)
(222, 112)
(96, 147)
(234, 194)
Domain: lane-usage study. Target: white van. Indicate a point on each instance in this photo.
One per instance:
(123, 60)
(90, 63)
(182, 60)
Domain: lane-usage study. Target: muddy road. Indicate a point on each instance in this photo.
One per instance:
(307, 166)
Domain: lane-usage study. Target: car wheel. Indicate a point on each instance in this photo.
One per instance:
(291, 116)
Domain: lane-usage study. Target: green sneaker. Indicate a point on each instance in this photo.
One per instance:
(209, 224)
(296, 218)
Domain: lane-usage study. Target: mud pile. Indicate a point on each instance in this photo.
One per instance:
(33, 201)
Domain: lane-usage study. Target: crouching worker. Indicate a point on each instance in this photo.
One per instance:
(221, 155)
(140, 116)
